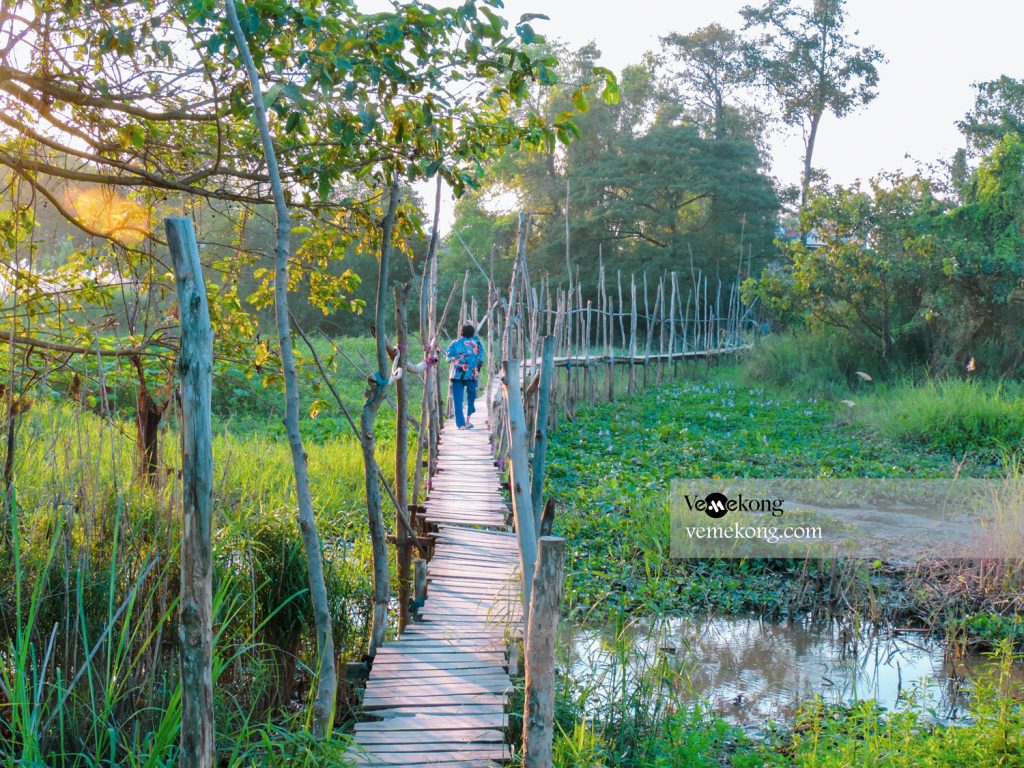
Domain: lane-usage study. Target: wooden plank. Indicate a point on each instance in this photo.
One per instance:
(433, 758)
(433, 722)
(454, 736)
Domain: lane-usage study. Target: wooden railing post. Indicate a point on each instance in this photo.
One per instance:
(519, 475)
(403, 543)
(540, 447)
(195, 623)
(542, 630)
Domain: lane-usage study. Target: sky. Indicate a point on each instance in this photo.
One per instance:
(935, 49)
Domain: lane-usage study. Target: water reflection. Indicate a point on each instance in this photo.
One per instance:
(751, 671)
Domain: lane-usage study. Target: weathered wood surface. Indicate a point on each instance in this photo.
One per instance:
(195, 624)
(440, 690)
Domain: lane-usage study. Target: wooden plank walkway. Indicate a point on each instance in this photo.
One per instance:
(440, 690)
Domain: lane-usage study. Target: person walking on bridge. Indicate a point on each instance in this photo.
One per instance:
(466, 357)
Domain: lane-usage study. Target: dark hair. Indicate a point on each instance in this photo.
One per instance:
(468, 331)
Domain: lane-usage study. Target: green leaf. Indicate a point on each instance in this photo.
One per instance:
(610, 94)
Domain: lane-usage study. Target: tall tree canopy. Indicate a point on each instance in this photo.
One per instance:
(806, 56)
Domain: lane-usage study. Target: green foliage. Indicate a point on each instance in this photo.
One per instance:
(954, 416)
(823, 364)
(579, 747)
(93, 555)
(989, 630)
(645, 183)
(610, 469)
(830, 737)
(672, 192)
(872, 269)
(998, 110)
(898, 268)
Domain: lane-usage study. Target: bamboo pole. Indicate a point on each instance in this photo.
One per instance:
(661, 330)
(610, 349)
(195, 615)
(588, 382)
(632, 333)
(649, 325)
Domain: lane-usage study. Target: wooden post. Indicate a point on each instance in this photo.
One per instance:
(660, 332)
(588, 386)
(541, 633)
(632, 334)
(420, 579)
(610, 347)
(403, 542)
(649, 326)
(540, 445)
(672, 326)
(519, 475)
(195, 622)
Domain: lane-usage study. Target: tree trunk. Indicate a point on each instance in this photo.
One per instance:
(147, 421)
(805, 182)
(195, 624)
(547, 376)
(327, 685)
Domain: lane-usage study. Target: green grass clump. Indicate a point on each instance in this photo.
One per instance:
(955, 416)
(89, 582)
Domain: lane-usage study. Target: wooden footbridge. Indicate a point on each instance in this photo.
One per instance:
(440, 689)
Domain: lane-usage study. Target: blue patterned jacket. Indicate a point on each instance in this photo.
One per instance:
(466, 356)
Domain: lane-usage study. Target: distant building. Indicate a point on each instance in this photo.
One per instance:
(793, 235)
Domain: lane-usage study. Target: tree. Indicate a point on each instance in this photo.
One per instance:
(876, 270)
(998, 110)
(806, 57)
(713, 68)
(655, 196)
(982, 317)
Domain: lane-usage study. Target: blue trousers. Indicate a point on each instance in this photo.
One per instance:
(463, 390)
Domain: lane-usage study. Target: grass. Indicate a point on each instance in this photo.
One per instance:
(955, 416)
(89, 584)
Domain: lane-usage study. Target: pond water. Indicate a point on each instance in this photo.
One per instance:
(751, 671)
